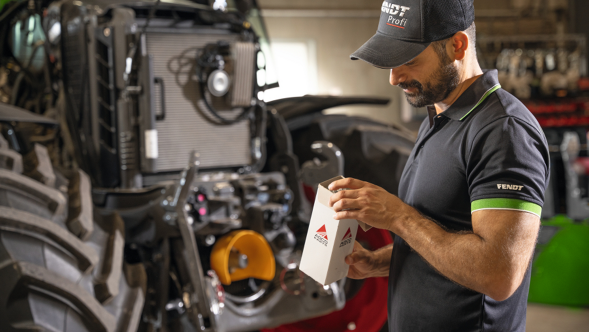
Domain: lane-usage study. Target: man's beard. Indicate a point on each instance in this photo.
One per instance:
(437, 88)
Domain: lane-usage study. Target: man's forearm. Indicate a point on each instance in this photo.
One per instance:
(456, 256)
(466, 258)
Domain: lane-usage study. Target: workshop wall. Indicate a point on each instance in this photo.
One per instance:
(339, 27)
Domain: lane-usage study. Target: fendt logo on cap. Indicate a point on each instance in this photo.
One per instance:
(395, 10)
(321, 236)
(347, 239)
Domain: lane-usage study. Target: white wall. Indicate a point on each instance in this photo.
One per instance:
(335, 38)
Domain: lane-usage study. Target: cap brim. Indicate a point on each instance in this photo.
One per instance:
(386, 52)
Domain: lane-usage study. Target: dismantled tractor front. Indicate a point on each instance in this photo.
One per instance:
(141, 196)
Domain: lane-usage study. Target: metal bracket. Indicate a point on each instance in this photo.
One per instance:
(191, 254)
(316, 171)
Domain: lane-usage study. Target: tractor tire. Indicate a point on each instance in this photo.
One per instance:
(61, 262)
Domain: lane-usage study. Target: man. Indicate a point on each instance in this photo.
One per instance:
(470, 196)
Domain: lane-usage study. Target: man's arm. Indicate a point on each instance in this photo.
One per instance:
(491, 260)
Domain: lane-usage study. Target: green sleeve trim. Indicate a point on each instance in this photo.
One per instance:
(505, 204)
(487, 94)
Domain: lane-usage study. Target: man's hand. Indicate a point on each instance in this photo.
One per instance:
(368, 203)
(366, 264)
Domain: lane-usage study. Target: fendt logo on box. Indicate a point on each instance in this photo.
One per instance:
(347, 239)
(321, 235)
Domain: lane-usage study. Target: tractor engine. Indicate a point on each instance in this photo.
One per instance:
(162, 134)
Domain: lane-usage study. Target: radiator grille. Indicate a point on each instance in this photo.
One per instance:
(106, 95)
(187, 125)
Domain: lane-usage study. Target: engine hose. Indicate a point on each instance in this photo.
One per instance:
(21, 75)
(16, 87)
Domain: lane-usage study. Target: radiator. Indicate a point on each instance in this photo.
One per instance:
(188, 125)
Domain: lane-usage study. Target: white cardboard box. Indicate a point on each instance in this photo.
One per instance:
(328, 241)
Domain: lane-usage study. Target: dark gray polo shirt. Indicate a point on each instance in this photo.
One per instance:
(486, 151)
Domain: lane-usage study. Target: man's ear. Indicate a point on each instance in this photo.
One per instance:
(459, 45)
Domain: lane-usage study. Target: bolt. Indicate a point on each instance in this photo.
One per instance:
(167, 217)
(106, 32)
(351, 326)
(210, 240)
(165, 202)
(190, 220)
(187, 207)
(234, 216)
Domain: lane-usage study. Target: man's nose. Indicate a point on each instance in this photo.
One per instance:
(397, 76)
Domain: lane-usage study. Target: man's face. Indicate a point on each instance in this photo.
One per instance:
(427, 79)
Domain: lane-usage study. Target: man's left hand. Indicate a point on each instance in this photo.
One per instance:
(366, 202)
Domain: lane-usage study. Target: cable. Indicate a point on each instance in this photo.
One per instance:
(150, 16)
(245, 113)
(208, 60)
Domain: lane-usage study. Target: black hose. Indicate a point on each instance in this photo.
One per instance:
(245, 113)
(19, 78)
(16, 88)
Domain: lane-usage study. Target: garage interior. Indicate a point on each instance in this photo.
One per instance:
(159, 160)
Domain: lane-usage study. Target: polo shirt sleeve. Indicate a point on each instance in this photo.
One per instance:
(508, 167)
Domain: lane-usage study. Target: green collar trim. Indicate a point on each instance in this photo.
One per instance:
(487, 94)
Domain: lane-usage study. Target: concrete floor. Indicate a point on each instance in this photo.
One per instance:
(544, 318)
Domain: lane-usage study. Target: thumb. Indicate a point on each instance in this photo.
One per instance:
(350, 259)
(357, 247)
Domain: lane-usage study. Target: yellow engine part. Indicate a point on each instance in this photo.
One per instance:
(261, 264)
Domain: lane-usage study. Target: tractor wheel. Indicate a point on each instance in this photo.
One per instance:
(61, 262)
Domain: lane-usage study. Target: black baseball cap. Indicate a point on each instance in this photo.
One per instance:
(407, 27)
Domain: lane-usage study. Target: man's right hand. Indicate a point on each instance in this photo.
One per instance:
(366, 264)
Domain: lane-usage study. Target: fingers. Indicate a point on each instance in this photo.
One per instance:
(358, 261)
(349, 183)
(356, 254)
(347, 204)
(343, 194)
(349, 214)
(357, 246)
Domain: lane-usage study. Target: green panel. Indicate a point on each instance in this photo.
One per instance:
(560, 272)
(3, 2)
(505, 203)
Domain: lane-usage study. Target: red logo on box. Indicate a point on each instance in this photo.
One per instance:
(348, 234)
(322, 232)
(321, 235)
(347, 239)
